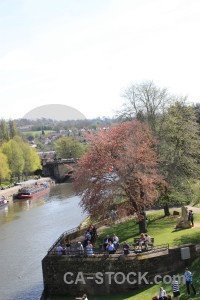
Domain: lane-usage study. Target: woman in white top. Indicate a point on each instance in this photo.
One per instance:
(162, 294)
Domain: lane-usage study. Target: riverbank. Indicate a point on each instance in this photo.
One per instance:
(8, 193)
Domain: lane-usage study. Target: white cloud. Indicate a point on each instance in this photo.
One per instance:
(17, 60)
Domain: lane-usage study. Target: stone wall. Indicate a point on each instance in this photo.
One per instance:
(55, 268)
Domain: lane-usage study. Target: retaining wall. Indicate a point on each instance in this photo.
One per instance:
(55, 268)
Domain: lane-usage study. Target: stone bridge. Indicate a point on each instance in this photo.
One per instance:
(59, 169)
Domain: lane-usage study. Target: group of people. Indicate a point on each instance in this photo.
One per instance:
(90, 238)
(64, 249)
(191, 217)
(175, 288)
(111, 244)
(90, 235)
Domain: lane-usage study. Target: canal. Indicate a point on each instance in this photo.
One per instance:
(27, 229)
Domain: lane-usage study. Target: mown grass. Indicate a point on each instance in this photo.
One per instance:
(161, 228)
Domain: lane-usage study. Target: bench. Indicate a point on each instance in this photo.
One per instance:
(136, 244)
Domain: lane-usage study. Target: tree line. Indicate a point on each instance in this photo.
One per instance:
(151, 155)
(16, 156)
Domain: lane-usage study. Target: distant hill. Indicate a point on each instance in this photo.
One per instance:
(57, 112)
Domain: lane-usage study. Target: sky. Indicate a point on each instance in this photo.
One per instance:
(84, 53)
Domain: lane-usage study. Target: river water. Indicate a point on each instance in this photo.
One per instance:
(27, 229)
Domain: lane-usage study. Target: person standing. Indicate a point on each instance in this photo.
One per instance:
(113, 215)
(68, 247)
(80, 248)
(189, 215)
(59, 249)
(175, 288)
(89, 248)
(192, 219)
(188, 278)
(126, 248)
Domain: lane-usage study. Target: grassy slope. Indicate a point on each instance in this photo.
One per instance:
(162, 229)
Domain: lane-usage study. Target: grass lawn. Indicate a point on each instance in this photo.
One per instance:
(162, 229)
(38, 132)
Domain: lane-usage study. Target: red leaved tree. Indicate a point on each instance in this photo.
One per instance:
(121, 162)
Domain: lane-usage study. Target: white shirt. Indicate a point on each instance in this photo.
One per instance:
(148, 239)
(162, 293)
(115, 239)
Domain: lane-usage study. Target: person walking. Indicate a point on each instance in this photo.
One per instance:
(188, 278)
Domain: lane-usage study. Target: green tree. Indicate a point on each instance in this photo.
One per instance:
(31, 158)
(4, 134)
(12, 129)
(67, 147)
(4, 169)
(15, 157)
(179, 150)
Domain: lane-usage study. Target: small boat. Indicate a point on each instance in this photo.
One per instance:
(3, 202)
(32, 191)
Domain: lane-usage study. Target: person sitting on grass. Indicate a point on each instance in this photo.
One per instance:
(162, 294)
(110, 247)
(126, 248)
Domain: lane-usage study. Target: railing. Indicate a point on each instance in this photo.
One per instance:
(73, 230)
(62, 236)
(76, 252)
(152, 249)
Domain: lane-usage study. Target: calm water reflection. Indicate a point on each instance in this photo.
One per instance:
(27, 229)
